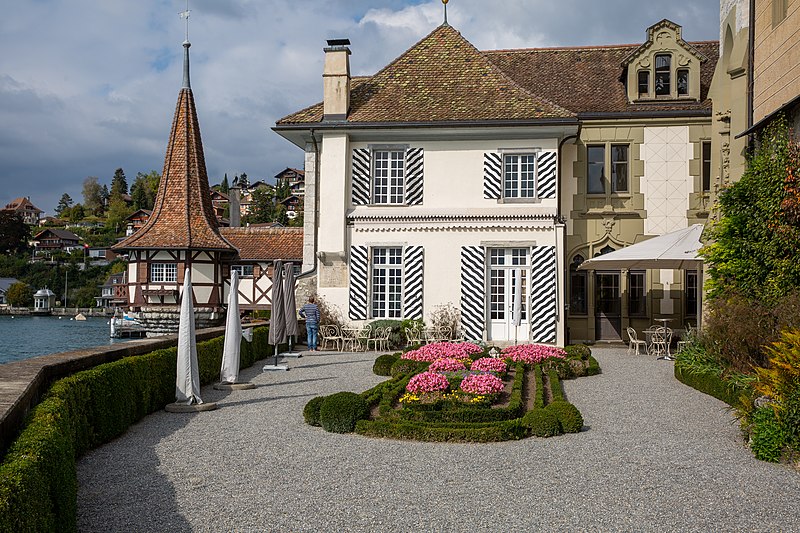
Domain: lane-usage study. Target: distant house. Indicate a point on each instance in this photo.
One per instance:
(136, 221)
(52, 221)
(219, 201)
(22, 206)
(56, 240)
(114, 292)
(294, 178)
(293, 205)
(5, 283)
(101, 255)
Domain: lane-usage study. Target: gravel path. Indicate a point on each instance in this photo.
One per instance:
(655, 456)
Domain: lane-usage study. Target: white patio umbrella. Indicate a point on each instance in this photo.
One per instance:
(674, 250)
(277, 322)
(229, 373)
(187, 376)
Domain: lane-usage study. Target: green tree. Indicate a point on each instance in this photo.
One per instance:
(64, 203)
(14, 233)
(92, 195)
(262, 206)
(19, 295)
(75, 214)
(119, 184)
(224, 187)
(755, 249)
(144, 190)
(242, 181)
(105, 196)
(118, 211)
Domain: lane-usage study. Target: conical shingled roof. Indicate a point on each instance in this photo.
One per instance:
(441, 78)
(183, 216)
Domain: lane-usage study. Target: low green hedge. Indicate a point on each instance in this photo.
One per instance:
(712, 384)
(38, 480)
(443, 432)
(383, 364)
(542, 422)
(569, 417)
(594, 367)
(339, 412)
(538, 401)
(311, 410)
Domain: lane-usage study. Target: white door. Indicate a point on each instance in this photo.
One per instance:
(504, 263)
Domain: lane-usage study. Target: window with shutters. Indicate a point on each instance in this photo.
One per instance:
(519, 176)
(163, 272)
(387, 282)
(388, 176)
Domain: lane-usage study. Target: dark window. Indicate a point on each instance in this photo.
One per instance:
(644, 83)
(663, 71)
(578, 287)
(706, 167)
(619, 168)
(637, 301)
(691, 293)
(779, 9)
(596, 157)
(683, 81)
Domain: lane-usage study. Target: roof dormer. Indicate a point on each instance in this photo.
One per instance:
(665, 67)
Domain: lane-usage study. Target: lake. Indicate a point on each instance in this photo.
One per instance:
(23, 337)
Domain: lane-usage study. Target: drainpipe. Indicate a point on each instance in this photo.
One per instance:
(316, 206)
(751, 56)
(559, 218)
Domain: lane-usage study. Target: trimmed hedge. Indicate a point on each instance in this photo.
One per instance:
(569, 417)
(594, 367)
(38, 480)
(383, 364)
(443, 432)
(311, 410)
(542, 422)
(538, 401)
(711, 384)
(402, 367)
(339, 412)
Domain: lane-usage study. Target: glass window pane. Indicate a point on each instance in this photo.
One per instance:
(644, 82)
(683, 82)
(596, 157)
(619, 168)
(637, 294)
(706, 166)
(663, 71)
(387, 282)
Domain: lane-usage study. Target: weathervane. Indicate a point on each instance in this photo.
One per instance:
(445, 10)
(185, 15)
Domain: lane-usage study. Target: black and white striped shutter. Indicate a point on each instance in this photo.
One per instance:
(492, 175)
(413, 262)
(473, 291)
(359, 266)
(414, 173)
(361, 175)
(546, 177)
(543, 294)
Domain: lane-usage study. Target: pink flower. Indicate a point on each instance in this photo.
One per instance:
(446, 365)
(427, 382)
(482, 384)
(532, 353)
(442, 350)
(488, 364)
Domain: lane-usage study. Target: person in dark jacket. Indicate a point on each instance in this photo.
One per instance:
(310, 312)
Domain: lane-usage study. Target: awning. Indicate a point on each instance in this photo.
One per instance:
(675, 250)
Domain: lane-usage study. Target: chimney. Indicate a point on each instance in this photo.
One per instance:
(234, 207)
(336, 80)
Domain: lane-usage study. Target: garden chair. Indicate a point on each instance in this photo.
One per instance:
(381, 339)
(330, 333)
(634, 342)
(350, 339)
(375, 340)
(443, 333)
(364, 336)
(413, 337)
(430, 335)
(662, 337)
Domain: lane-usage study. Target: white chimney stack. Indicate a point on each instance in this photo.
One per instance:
(336, 80)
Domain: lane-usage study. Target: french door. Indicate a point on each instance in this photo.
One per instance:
(509, 271)
(608, 306)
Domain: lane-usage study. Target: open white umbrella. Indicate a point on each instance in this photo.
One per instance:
(277, 321)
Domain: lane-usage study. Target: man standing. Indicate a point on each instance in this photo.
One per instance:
(310, 312)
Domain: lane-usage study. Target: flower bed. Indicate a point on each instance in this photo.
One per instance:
(490, 364)
(427, 382)
(447, 365)
(482, 384)
(533, 353)
(443, 350)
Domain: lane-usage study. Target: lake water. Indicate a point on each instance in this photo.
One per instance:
(22, 337)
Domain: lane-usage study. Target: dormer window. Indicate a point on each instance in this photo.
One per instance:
(663, 74)
(644, 83)
(683, 81)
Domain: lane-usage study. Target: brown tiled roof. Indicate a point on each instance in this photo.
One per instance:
(183, 217)
(441, 78)
(444, 78)
(266, 244)
(22, 203)
(60, 233)
(590, 79)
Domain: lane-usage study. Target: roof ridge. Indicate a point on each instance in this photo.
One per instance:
(579, 47)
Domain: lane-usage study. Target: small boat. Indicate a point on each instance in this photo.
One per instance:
(125, 325)
(80, 316)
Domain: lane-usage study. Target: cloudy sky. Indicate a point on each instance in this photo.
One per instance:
(87, 87)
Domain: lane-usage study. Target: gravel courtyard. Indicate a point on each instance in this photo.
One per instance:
(655, 455)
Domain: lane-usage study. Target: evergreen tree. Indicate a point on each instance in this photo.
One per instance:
(244, 182)
(92, 195)
(104, 194)
(64, 203)
(119, 184)
(144, 190)
(224, 187)
(262, 206)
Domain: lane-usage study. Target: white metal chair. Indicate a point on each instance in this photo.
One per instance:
(381, 339)
(364, 336)
(412, 337)
(376, 339)
(662, 337)
(330, 333)
(634, 342)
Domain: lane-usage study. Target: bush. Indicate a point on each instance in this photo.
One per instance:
(556, 392)
(383, 364)
(542, 422)
(402, 367)
(578, 351)
(311, 410)
(339, 412)
(767, 436)
(569, 418)
(443, 432)
(594, 367)
(397, 338)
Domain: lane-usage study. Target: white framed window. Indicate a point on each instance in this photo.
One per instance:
(519, 176)
(600, 157)
(388, 176)
(663, 68)
(244, 271)
(163, 272)
(387, 282)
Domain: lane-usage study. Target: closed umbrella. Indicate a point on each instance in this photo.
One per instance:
(517, 316)
(277, 323)
(229, 374)
(290, 309)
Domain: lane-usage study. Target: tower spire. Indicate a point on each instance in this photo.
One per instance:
(444, 2)
(186, 44)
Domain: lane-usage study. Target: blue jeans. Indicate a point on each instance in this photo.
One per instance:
(311, 331)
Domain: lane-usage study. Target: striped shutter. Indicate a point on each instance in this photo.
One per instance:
(492, 175)
(473, 291)
(359, 266)
(543, 294)
(546, 176)
(412, 290)
(414, 172)
(361, 176)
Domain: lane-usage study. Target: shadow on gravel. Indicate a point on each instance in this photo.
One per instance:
(143, 499)
(262, 400)
(335, 363)
(291, 382)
